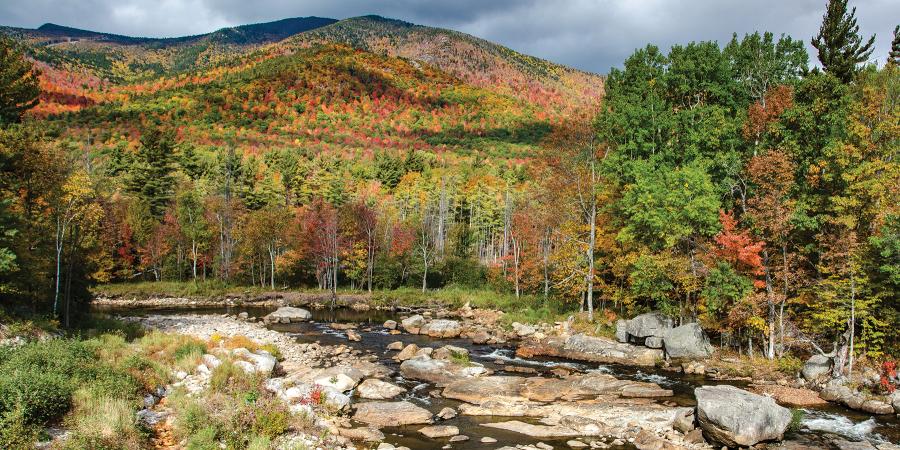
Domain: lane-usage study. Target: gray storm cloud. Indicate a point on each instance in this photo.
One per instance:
(592, 35)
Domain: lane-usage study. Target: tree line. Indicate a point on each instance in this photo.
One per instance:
(731, 184)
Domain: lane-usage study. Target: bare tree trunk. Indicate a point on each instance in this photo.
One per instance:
(852, 316)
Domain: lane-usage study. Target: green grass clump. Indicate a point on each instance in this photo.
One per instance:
(796, 419)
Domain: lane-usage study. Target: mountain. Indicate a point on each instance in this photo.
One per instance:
(258, 33)
(351, 88)
(473, 59)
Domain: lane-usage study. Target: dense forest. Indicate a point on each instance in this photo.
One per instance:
(733, 184)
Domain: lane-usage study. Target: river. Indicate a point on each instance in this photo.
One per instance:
(819, 427)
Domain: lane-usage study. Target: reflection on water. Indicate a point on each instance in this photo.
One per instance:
(818, 424)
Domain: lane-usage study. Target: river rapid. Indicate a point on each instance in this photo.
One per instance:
(821, 427)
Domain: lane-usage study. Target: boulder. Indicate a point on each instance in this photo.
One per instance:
(408, 352)
(288, 314)
(378, 390)
(390, 324)
(523, 330)
(339, 382)
(352, 335)
(835, 391)
(150, 417)
(362, 434)
(598, 349)
(650, 324)
(621, 331)
(654, 342)
(413, 324)
(479, 389)
(391, 414)
(439, 431)
(737, 418)
(334, 399)
(442, 328)
(686, 341)
(450, 352)
(481, 337)
(816, 366)
(895, 401)
(877, 407)
(446, 413)
(395, 346)
(260, 361)
(439, 371)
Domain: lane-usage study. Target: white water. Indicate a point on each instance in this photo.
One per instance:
(653, 378)
(507, 355)
(840, 425)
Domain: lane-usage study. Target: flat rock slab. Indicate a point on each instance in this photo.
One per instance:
(375, 389)
(536, 431)
(439, 431)
(439, 371)
(593, 349)
(476, 390)
(391, 414)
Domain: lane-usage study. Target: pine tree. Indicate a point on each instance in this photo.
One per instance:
(839, 43)
(19, 88)
(151, 173)
(894, 55)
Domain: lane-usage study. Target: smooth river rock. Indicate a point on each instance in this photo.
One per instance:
(442, 328)
(735, 417)
(816, 366)
(288, 314)
(391, 414)
(686, 341)
(413, 324)
(439, 431)
(375, 389)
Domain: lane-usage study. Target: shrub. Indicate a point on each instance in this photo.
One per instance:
(461, 358)
(272, 417)
(789, 365)
(189, 349)
(796, 419)
(15, 431)
(41, 395)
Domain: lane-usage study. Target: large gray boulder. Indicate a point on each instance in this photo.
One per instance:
(816, 366)
(737, 418)
(413, 324)
(622, 330)
(288, 314)
(650, 324)
(442, 328)
(687, 341)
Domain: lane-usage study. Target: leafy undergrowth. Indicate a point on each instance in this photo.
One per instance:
(189, 289)
(757, 367)
(94, 382)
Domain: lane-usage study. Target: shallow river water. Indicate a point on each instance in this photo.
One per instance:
(819, 427)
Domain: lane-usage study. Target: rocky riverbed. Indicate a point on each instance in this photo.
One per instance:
(459, 369)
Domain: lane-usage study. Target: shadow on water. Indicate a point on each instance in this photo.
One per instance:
(818, 428)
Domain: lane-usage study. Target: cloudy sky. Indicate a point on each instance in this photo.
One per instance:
(592, 35)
